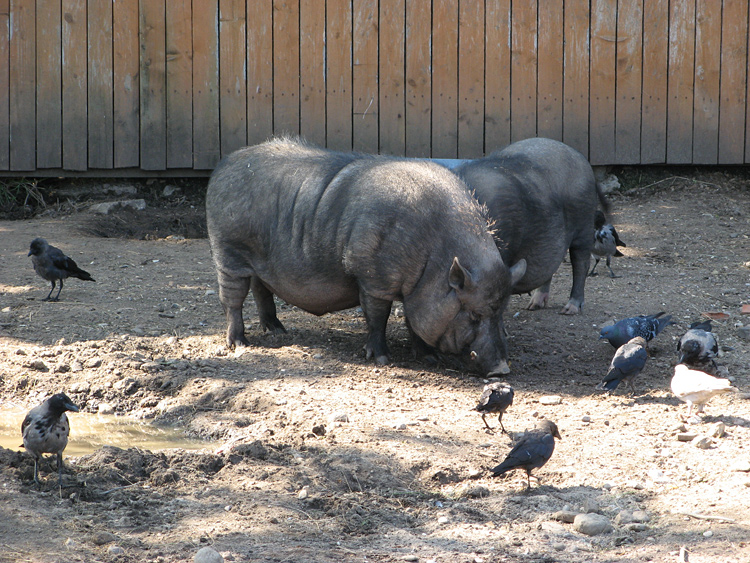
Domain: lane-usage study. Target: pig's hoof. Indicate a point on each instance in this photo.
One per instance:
(538, 301)
(570, 309)
(382, 360)
(238, 342)
(273, 326)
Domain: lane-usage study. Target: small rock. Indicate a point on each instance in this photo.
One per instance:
(319, 430)
(558, 546)
(476, 492)
(115, 550)
(38, 365)
(107, 207)
(744, 332)
(686, 436)
(105, 408)
(340, 417)
(742, 465)
(592, 524)
(93, 362)
(585, 418)
(609, 184)
(636, 527)
(76, 366)
(208, 555)
(565, 516)
(151, 367)
(702, 442)
(590, 505)
(302, 495)
(550, 400)
(717, 430)
(443, 520)
(708, 534)
(170, 190)
(70, 543)
(80, 387)
(641, 516)
(624, 517)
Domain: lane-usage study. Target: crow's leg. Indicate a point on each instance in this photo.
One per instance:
(593, 270)
(59, 470)
(500, 420)
(50, 291)
(484, 414)
(611, 273)
(36, 470)
(57, 297)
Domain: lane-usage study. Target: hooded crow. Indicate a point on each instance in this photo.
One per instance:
(532, 451)
(51, 264)
(496, 398)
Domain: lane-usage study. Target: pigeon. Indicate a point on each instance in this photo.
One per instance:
(496, 398)
(45, 431)
(627, 363)
(51, 264)
(625, 330)
(698, 348)
(532, 451)
(606, 242)
(697, 387)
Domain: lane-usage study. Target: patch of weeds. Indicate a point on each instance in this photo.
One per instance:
(20, 196)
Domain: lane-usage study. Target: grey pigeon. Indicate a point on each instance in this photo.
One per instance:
(625, 330)
(627, 363)
(532, 451)
(696, 387)
(698, 348)
(45, 431)
(51, 264)
(496, 398)
(606, 242)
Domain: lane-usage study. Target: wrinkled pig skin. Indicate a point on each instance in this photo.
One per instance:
(327, 231)
(542, 196)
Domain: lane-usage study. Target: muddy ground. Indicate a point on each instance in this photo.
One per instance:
(316, 455)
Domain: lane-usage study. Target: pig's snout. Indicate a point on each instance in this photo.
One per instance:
(500, 368)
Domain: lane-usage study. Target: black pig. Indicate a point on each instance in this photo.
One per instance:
(326, 231)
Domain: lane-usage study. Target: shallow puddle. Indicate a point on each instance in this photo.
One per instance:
(89, 432)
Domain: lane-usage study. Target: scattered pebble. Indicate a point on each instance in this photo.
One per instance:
(686, 436)
(443, 520)
(105, 408)
(742, 465)
(550, 400)
(717, 430)
(636, 527)
(592, 524)
(208, 555)
(70, 543)
(302, 495)
(585, 418)
(340, 417)
(702, 442)
(708, 534)
(410, 558)
(115, 550)
(565, 516)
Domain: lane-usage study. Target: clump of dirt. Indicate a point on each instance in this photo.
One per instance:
(318, 455)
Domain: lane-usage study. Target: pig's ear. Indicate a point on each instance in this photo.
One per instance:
(517, 271)
(459, 277)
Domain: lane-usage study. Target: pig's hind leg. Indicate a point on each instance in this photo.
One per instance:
(539, 297)
(376, 313)
(580, 256)
(266, 307)
(232, 293)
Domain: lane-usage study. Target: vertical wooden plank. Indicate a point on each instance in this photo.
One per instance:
(603, 64)
(392, 79)
(153, 85)
(232, 79)
(523, 74)
(49, 85)
(444, 79)
(339, 74)
(655, 59)
(734, 76)
(418, 78)
(206, 84)
(180, 83)
(629, 81)
(471, 79)
(75, 148)
(22, 85)
(707, 66)
(550, 87)
(365, 75)
(126, 91)
(680, 84)
(497, 75)
(4, 84)
(286, 66)
(312, 37)
(259, 71)
(576, 76)
(100, 108)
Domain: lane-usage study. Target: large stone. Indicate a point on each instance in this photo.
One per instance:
(208, 555)
(592, 524)
(105, 208)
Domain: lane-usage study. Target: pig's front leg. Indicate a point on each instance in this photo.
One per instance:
(232, 293)
(539, 297)
(376, 313)
(266, 307)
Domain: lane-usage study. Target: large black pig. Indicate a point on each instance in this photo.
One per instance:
(326, 231)
(542, 197)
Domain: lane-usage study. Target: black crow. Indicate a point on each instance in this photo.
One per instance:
(698, 348)
(532, 451)
(496, 398)
(625, 330)
(696, 387)
(51, 264)
(627, 363)
(45, 430)
(606, 242)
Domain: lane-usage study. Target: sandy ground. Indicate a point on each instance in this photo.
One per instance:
(316, 455)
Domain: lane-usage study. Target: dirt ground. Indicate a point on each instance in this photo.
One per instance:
(316, 455)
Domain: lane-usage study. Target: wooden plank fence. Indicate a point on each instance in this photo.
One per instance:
(166, 87)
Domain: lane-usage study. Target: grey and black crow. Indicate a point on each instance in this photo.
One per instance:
(625, 330)
(496, 398)
(45, 430)
(696, 388)
(606, 242)
(532, 451)
(51, 264)
(698, 348)
(627, 363)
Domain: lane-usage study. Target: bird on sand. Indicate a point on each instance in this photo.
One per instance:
(532, 451)
(625, 330)
(696, 387)
(606, 241)
(51, 264)
(627, 363)
(45, 431)
(698, 348)
(496, 398)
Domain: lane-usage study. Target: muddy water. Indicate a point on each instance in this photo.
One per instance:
(88, 432)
